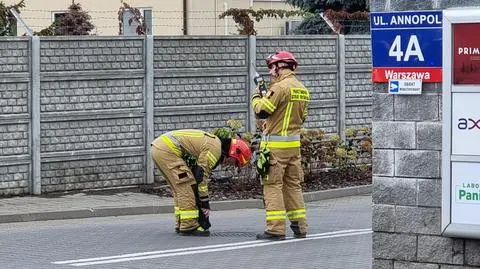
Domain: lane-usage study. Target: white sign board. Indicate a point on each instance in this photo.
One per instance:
(405, 86)
(461, 124)
(465, 124)
(465, 192)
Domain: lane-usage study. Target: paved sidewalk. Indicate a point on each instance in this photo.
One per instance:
(85, 205)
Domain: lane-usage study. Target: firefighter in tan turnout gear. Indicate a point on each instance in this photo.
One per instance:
(171, 152)
(284, 108)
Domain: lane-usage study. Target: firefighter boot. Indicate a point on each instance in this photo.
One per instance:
(177, 225)
(270, 236)
(199, 231)
(296, 230)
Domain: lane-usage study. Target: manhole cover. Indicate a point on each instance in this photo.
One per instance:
(233, 234)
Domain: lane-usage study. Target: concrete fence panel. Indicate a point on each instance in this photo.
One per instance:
(92, 112)
(15, 114)
(80, 112)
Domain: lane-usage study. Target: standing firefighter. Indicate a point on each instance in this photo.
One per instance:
(203, 152)
(284, 108)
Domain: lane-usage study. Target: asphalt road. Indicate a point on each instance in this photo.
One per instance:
(339, 237)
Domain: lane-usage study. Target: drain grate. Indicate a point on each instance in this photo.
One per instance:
(233, 234)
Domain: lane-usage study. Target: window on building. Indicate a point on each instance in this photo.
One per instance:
(147, 16)
(14, 28)
(57, 15)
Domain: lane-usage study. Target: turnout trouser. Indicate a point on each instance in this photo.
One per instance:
(282, 192)
(180, 178)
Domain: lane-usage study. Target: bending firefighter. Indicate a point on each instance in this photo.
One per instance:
(203, 152)
(284, 108)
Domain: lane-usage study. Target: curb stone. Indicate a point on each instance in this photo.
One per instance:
(168, 208)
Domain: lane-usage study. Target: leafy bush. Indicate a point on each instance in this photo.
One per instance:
(347, 16)
(321, 153)
(8, 23)
(243, 17)
(350, 158)
(349, 23)
(313, 25)
(231, 130)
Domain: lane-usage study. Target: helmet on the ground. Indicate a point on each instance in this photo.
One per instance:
(282, 56)
(240, 151)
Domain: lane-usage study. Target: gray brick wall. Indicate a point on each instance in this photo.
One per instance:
(89, 95)
(14, 179)
(358, 84)
(358, 50)
(75, 135)
(96, 95)
(407, 137)
(92, 100)
(14, 116)
(14, 55)
(95, 173)
(308, 51)
(198, 121)
(200, 91)
(200, 52)
(322, 86)
(14, 98)
(322, 118)
(358, 116)
(14, 139)
(90, 54)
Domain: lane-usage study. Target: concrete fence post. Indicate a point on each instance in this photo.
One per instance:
(36, 184)
(149, 107)
(341, 86)
(252, 58)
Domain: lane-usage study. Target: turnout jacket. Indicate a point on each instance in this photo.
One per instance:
(204, 147)
(285, 107)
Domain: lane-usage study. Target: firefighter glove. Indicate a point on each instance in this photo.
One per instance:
(198, 173)
(263, 162)
(205, 204)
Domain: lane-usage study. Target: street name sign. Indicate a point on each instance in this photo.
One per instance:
(406, 45)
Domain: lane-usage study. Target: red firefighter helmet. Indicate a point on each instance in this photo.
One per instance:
(282, 56)
(240, 151)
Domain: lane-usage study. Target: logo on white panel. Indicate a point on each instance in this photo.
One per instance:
(468, 123)
(468, 192)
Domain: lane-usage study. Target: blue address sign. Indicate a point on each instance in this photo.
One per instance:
(406, 45)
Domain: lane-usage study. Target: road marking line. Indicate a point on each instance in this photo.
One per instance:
(190, 248)
(205, 249)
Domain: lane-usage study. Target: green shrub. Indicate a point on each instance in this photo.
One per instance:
(349, 159)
